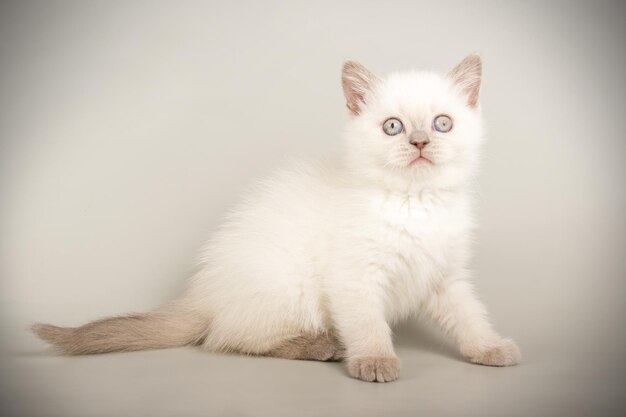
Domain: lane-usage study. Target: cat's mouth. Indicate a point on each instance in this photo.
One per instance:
(420, 160)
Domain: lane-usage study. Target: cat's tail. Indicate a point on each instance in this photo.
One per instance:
(171, 326)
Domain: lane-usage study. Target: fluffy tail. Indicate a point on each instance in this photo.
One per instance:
(166, 328)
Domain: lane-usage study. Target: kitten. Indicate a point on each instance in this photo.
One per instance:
(322, 259)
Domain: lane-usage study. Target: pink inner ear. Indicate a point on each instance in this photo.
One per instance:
(353, 99)
(356, 82)
(467, 77)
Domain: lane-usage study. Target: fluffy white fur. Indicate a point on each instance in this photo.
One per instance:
(355, 246)
(360, 245)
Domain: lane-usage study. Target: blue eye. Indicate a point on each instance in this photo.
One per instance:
(393, 126)
(442, 123)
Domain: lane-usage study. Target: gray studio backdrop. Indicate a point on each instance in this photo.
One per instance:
(127, 129)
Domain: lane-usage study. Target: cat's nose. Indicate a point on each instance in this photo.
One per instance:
(419, 139)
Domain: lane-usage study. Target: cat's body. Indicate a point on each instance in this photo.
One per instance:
(321, 259)
(289, 268)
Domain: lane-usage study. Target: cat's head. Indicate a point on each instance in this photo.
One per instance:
(414, 127)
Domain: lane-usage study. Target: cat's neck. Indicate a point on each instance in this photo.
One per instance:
(406, 185)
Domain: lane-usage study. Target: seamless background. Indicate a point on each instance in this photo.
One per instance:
(127, 129)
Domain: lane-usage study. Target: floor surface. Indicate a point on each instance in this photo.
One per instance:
(435, 381)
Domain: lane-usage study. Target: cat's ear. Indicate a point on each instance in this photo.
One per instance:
(467, 76)
(357, 82)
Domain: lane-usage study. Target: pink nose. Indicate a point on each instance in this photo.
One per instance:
(419, 139)
(420, 145)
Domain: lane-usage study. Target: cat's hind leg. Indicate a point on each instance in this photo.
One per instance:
(313, 347)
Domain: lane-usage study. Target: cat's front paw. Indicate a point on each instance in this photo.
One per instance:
(502, 353)
(374, 369)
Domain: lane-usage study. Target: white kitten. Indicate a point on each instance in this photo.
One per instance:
(322, 259)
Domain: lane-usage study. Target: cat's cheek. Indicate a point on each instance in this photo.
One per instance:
(401, 156)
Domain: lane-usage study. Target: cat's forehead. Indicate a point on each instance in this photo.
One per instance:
(414, 93)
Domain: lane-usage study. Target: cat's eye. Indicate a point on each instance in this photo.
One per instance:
(393, 126)
(442, 123)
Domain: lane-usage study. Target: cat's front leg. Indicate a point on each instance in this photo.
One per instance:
(359, 318)
(456, 309)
